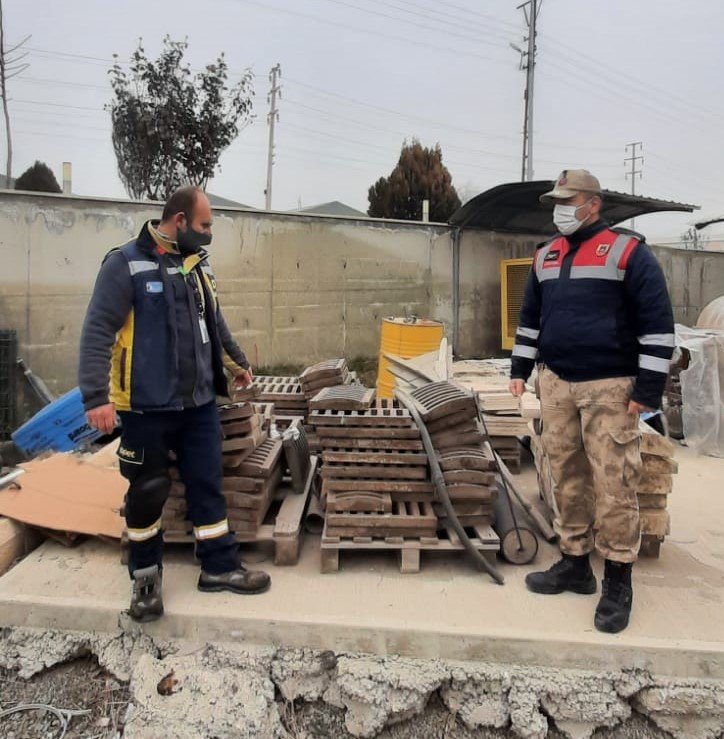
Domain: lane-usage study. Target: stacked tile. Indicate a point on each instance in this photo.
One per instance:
(655, 485)
(251, 473)
(506, 417)
(285, 392)
(375, 481)
(328, 373)
(450, 416)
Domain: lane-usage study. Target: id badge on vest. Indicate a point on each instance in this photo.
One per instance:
(204, 330)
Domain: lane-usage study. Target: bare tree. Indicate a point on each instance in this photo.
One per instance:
(11, 65)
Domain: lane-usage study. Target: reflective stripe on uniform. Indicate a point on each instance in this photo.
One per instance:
(610, 269)
(139, 265)
(144, 534)
(520, 350)
(657, 339)
(173, 270)
(656, 364)
(212, 531)
(529, 333)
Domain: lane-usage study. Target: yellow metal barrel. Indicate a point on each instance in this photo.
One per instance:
(406, 338)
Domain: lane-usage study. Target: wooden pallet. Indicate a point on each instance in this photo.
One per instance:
(282, 527)
(407, 518)
(408, 549)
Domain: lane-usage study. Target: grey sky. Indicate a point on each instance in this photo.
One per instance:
(371, 72)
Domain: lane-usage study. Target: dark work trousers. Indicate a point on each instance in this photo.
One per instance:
(194, 434)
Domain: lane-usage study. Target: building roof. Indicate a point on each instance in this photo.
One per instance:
(514, 208)
(333, 208)
(218, 202)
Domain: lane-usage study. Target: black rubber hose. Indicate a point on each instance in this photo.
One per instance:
(438, 483)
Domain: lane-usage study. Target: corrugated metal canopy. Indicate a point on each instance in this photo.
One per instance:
(514, 208)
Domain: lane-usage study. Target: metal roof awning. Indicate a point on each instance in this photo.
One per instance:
(514, 208)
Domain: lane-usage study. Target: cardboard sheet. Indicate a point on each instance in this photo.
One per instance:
(64, 493)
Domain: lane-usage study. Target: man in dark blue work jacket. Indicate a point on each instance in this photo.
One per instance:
(153, 349)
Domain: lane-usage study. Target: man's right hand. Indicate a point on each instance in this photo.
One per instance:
(102, 418)
(516, 387)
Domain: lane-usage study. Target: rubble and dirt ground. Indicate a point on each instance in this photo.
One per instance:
(136, 688)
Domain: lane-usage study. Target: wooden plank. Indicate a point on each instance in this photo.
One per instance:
(16, 540)
(387, 445)
(366, 432)
(394, 487)
(372, 457)
(475, 477)
(383, 472)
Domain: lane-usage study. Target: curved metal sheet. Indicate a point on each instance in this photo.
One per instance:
(514, 208)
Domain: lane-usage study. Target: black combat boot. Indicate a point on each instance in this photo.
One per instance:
(569, 573)
(240, 580)
(614, 608)
(146, 598)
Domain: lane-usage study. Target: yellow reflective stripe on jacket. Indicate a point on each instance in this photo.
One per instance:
(121, 366)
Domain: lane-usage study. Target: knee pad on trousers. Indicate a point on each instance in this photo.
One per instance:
(146, 497)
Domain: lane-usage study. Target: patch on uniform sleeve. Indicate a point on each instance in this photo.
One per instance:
(131, 456)
(154, 287)
(552, 256)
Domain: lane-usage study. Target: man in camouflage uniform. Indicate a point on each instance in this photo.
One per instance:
(597, 318)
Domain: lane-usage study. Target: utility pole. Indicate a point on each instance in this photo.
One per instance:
(531, 10)
(11, 64)
(634, 145)
(272, 118)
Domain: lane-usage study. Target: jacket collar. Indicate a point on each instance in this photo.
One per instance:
(149, 240)
(587, 232)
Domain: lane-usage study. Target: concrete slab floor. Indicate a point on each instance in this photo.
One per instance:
(447, 611)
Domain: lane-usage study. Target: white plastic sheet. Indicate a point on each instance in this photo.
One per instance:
(702, 389)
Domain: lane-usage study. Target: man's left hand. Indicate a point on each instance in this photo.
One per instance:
(635, 408)
(244, 379)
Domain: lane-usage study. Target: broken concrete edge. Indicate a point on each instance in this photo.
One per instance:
(657, 656)
(232, 688)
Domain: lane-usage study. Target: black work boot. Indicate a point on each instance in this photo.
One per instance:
(240, 580)
(146, 598)
(614, 608)
(569, 573)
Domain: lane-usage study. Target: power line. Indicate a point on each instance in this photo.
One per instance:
(370, 32)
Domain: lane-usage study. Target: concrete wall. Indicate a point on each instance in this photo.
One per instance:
(695, 278)
(295, 288)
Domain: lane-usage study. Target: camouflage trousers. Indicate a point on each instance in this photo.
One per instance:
(592, 444)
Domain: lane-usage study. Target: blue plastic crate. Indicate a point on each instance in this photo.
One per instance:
(61, 426)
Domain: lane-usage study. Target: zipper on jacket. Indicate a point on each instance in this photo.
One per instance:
(124, 351)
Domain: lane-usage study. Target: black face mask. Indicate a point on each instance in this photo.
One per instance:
(190, 241)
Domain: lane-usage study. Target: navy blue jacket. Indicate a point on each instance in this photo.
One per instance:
(595, 307)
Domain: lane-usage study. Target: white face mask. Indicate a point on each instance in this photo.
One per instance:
(564, 217)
